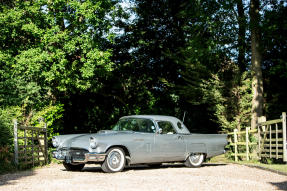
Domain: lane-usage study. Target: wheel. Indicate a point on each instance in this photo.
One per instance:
(194, 160)
(156, 165)
(115, 160)
(73, 167)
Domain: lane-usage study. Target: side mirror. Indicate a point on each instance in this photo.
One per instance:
(159, 131)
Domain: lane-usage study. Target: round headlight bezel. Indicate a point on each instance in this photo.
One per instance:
(93, 142)
(55, 142)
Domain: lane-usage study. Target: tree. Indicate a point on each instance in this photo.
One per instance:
(257, 80)
(51, 50)
(274, 46)
(241, 36)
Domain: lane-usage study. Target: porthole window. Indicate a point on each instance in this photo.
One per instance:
(179, 125)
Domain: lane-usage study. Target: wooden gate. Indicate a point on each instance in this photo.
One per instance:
(30, 145)
(272, 139)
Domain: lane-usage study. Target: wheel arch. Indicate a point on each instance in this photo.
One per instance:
(127, 152)
(204, 154)
(197, 148)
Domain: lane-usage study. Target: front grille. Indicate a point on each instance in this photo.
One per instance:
(78, 154)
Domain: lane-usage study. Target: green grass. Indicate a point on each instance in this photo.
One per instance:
(219, 159)
(279, 168)
(282, 168)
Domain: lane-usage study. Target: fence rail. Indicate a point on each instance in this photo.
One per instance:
(235, 143)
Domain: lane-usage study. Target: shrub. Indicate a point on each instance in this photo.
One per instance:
(6, 125)
(6, 158)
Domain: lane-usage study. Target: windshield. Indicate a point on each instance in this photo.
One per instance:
(135, 124)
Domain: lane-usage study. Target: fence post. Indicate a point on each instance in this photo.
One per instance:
(260, 147)
(16, 158)
(270, 140)
(260, 120)
(247, 141)
(259, 143)
(284, 136)
(235, 144)
(45, 143)
(276, 131)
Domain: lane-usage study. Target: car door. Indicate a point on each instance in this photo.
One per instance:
(169, 146)
(141, 142)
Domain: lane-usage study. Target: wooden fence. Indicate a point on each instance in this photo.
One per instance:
(270, 140)
(234, 141)
(30, 145)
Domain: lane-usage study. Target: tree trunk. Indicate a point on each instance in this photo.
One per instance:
(257, 81)
(241, 36)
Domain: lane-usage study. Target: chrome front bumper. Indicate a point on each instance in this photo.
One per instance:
(70, 156)
(92, 157)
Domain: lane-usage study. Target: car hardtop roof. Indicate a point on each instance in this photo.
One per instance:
(154, 117)
(171, 119)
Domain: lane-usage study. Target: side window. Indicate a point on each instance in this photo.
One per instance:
(166, 127)
(122, 125)
(146, 125)
(135, 124)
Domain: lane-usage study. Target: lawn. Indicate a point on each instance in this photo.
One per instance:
(279, 168)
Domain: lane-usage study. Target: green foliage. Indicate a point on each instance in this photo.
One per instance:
(228, 101)
(52, 50)
(6, 160)
(83, 64)
(274, 59)
(52, 115)
(6, 125)
(232, 110)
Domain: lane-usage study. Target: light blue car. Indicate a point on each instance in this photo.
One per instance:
(138, 139)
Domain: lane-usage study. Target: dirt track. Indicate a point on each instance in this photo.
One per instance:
(168, 177)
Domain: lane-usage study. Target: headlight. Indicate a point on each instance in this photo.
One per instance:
(93, 142)
(55, 142)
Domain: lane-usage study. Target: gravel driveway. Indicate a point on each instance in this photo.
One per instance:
(169, 177)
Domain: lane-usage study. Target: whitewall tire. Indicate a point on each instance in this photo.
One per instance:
(194, 160)
(115, 160)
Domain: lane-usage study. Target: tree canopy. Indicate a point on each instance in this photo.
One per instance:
(82, 64)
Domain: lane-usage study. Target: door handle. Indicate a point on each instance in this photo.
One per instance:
(179, 137)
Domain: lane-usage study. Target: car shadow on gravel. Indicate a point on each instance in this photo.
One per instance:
(92, 169)
(280, 185)
(10, 178)
(213, 164)
(146, 167)
(168, 165)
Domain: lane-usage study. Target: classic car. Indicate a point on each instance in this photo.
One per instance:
(138, 139)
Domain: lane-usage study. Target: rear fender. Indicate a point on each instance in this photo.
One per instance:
(196, 148)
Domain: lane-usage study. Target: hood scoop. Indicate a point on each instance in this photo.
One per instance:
(107, 132)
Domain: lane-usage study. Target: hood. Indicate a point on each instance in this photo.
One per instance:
(83, 140)
(75, 141)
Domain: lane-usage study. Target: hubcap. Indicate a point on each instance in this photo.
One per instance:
(195, 159)
(114, 160)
